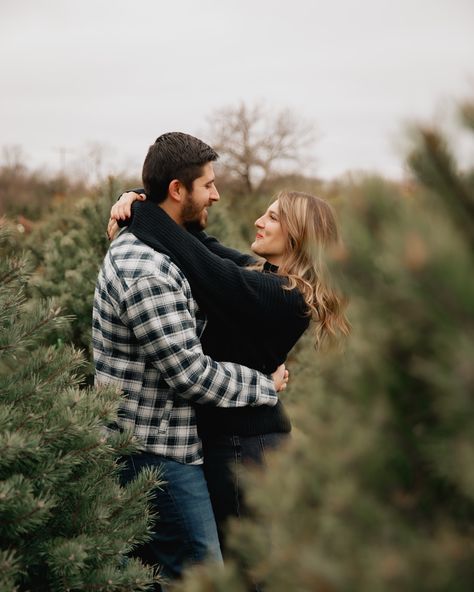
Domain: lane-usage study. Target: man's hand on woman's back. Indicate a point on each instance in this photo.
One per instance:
(280, 378)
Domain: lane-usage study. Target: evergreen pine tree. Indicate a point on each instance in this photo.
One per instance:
(67, 249)
(376, 490)
(65, 522)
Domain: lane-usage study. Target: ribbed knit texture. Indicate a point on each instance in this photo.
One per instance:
(252, 319)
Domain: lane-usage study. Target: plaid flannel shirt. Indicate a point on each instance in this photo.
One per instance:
(145, 338)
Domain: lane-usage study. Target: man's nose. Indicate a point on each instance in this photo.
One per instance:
(215, 195)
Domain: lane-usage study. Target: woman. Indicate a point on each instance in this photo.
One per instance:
(256, 311)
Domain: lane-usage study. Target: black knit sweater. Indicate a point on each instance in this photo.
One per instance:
(252, 320)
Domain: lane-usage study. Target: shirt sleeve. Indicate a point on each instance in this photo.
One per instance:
(211, 242)
(157, 311)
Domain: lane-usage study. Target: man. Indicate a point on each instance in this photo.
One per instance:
(146, 329)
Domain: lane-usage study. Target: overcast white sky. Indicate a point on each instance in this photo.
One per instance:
(121, 72)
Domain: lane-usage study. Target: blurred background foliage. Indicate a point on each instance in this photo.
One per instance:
(376, 490)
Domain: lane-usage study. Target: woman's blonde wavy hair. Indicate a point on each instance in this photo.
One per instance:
(311, 228)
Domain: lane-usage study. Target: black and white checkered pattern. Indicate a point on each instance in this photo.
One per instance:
(145, 337)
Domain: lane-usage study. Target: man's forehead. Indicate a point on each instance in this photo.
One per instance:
(207, 173)
(208, 170)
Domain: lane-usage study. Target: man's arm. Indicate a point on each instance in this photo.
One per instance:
(156, 309)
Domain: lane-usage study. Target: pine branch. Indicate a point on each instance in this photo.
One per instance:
(32, 330)
(434, 166)
(51, 378)
(19, 519)
(9, 276)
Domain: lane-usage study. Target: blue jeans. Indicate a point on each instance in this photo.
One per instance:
(224, 457)
(185, 531)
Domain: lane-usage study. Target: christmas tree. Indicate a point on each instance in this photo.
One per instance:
(67, 249)
(66, 524)
(376, 490)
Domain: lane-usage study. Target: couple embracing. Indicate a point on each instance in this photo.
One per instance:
(196, 335)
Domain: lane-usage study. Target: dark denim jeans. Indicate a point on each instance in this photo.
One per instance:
(224, 457)
(185, 531)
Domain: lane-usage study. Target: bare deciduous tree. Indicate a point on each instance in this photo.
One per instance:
(13, 159)
(256, 143)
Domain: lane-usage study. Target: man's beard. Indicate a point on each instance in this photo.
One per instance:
(192, 215)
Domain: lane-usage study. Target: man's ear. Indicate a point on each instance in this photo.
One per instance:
(176, 190)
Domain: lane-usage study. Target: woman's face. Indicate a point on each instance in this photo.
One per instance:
(271, 238)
